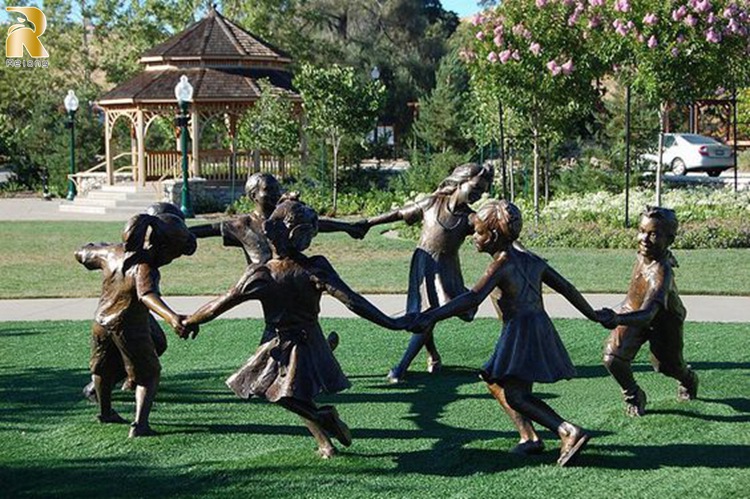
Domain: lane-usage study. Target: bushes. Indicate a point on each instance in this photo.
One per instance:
(709, 218)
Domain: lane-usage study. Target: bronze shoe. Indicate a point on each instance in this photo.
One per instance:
(330, 421)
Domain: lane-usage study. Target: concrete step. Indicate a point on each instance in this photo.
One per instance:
(71, 207)
(88, 201)
(99, 194)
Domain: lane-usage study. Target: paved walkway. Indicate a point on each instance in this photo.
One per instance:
(700, 308)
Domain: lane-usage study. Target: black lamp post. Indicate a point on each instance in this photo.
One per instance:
(184, 93)
(71, 106)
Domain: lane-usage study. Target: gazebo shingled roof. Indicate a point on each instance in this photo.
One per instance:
(223, 63)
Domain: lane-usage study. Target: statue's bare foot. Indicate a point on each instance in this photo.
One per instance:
(688, 390)
(635, 405)
(434, 364)
(111, 417)
(327, 452)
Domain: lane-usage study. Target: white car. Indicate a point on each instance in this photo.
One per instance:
(690, 152)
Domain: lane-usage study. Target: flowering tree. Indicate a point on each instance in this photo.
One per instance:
(534, 56)
(336, 103)
(678, 50)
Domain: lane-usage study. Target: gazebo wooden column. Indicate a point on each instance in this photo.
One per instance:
(195, 129)
(108, 149)
(140, 126)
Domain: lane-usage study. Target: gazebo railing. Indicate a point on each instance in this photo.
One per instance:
(96, 176)
(216, 164)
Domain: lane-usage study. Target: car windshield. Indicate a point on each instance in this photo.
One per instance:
(699, 139)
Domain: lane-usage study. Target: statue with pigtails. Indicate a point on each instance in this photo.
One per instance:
(122, 342)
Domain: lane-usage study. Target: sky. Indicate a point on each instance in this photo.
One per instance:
(461, 7)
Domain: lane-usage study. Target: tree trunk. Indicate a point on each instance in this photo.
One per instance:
(659, 165)
(502, 149)
(336, 142)
(536, 175)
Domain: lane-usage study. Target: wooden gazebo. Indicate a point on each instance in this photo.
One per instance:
(223, 63)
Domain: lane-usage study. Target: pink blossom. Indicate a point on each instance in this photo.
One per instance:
(680, 38)
(641, 38)
(477, 19)
(535, 48)
(675, 51)
(679, 13)
(567, 67)
(703, 6)
(541, 3)
(498, 30)
(652, 42)
(691, 20)
(711, 19)
(594, 22)
(479, 35)
(498, 40)
(554, 68)
(504, 56)
(467, 55)
(596, 3)
(516, 56)
(713, 36)
(622, 5)
(492, 57)
(573, 19)
(650, 19)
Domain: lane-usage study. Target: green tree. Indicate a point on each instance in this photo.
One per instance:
(336, 103)
(443, 112)
(270, 125)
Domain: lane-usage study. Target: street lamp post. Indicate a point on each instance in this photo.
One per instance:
(375, 75)
(184, 93)
(71, 106)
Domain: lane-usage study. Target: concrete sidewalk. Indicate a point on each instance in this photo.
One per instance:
(700, 308)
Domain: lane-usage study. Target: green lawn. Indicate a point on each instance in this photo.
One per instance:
(36, 260)
(440, 436)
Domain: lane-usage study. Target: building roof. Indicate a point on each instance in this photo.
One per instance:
(214, 37)
(222, 61)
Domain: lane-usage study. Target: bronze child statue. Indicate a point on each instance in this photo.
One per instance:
(157, 333)
(121, 333)
(246, 231)
(529, 349)
(435, 272)
(652, 312)
(296, 364)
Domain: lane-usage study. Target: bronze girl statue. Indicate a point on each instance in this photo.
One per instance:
(529, 349)
(435, 273)
(296, 364)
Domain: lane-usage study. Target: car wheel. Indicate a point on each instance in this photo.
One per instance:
(714, 173)
(678, 167)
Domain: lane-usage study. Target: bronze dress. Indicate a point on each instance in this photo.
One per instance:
(297, 361)
(435, 272)
(529, 347)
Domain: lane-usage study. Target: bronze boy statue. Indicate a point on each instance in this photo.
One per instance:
(435, 272)
(653, 312)
(246, 231)
(529, 349)
(296, 364)
(130, 291)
